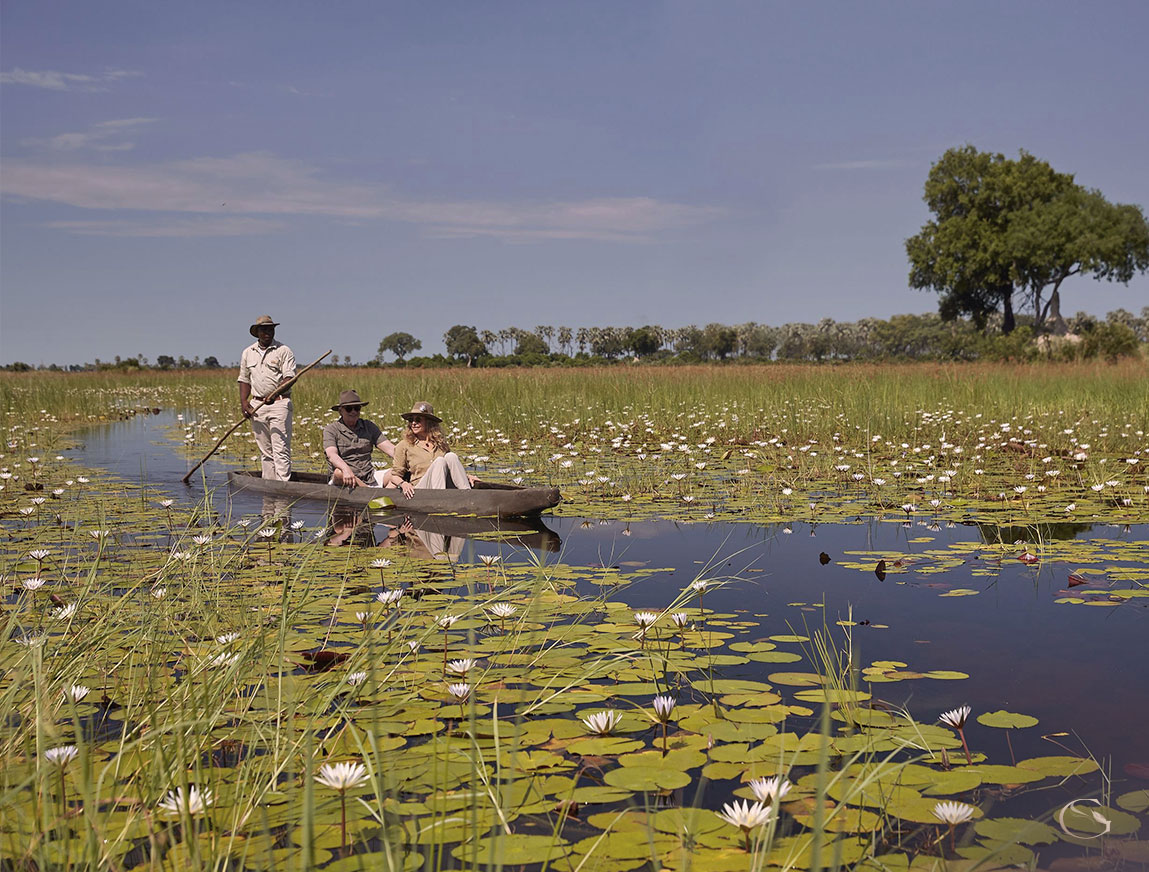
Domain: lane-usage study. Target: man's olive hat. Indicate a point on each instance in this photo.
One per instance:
(262, 321)
(348, 398)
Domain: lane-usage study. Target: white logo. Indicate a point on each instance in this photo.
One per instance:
(1097, 816)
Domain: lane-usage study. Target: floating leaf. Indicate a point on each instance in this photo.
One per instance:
(1006, 720)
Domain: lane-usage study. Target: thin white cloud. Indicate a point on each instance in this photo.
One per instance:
(179, 228)
(891, 164)
(103, 136)
(54, 80)
(259, 183)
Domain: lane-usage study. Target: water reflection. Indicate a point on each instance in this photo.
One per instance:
(433, 537)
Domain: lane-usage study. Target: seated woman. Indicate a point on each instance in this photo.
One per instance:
(348, 443)
(423, 459)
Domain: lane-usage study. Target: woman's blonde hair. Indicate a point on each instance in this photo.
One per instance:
(434, 433)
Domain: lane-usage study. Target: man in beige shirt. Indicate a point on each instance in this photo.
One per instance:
(264, 366)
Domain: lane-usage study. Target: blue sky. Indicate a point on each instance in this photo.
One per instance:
(172, 170)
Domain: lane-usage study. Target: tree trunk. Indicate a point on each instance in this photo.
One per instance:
(1008, 322)
(1057, 325)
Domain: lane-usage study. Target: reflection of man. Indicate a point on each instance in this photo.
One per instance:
(263, 367)
(348, 444)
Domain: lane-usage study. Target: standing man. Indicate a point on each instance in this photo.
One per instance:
(263, 367)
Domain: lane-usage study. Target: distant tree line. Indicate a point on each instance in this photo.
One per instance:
(902, 337)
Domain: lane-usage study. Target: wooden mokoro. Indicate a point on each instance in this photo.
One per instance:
(485, 500)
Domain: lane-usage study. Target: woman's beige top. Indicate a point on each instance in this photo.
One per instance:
(412, 461)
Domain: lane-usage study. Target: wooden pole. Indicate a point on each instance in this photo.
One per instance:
(275, 393)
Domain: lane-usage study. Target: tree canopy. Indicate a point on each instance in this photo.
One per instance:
(399, 344)
(1004, 227)
(463, 342)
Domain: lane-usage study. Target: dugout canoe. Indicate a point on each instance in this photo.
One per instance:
(485, 500)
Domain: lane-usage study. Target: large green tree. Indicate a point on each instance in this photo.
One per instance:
(400, 344)
(463, 342)
(1006, 232)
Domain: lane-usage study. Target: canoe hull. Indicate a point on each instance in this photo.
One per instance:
(486, 500)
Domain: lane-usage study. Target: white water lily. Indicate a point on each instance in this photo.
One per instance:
(64, 613)
(380, 563)
(664, 707)
(769, 790)
(32, 583)
(341, 776)
(953, 813)
(39, 554)
(356, 678)
(389, 597)
(955, 718)
(645, 619)
(460, 691)
(602, 723)
(460, 667)
(226, 638)
(681, 619)
(61, 756)
(159, 592)
(745, 815)
(192, 802)
(77, 692)
(446, 621)
(489, 559)
(502, 610)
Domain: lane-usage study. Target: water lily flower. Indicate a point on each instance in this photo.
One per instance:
(178, 802)
(770, 790)
(446, 621)
(32, 584)
(664, 707)
(77, 692)
(645, 619)
(745, 816)
(489, 559)
(389, 597)
(39, 554)
(341, 776)
(226, 638)
(502, 610)
(380, 563)
(64, 612)
(202, 539)
(461, 667)
(61, 756)
(356, 678)
(953, 813)
(681, 619)
(460, 691)
(956, 718)
(159, 592)
(602, 723)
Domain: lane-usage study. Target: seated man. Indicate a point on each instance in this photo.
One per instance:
(348, 444)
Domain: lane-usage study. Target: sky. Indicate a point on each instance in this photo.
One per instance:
(172, 171)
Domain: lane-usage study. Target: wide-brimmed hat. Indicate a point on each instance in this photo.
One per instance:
(261, 321)
(424, 410)
(348, 398)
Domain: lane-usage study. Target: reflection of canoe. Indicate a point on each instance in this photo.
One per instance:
(532, 533)
(485, 500)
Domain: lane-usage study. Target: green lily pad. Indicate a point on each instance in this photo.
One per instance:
(1006, 720)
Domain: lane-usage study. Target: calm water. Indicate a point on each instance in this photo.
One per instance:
(1080, 670)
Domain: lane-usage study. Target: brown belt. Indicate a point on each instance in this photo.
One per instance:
(279, 397)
